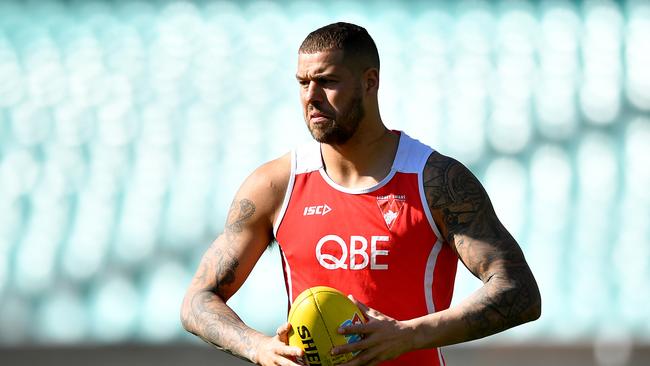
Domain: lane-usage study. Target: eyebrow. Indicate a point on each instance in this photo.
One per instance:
(319, 75)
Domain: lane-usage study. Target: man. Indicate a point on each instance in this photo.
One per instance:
(371, 212)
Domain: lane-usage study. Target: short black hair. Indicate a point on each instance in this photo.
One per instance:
(355, 42)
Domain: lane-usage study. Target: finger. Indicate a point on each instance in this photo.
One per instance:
(289, 351)
(282, 361)
(367, 311)
(362, 359)
(358, 303)
(353, 347)
(362, 328)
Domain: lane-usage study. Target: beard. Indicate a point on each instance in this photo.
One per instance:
(343, 126)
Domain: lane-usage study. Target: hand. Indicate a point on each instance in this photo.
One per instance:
(384, 338)
(276, 351)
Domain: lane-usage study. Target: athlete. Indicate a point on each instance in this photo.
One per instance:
(371, 212)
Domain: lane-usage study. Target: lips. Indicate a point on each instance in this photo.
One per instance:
(319, 117)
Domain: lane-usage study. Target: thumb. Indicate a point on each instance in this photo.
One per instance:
(283, 332)
(358, 303)
(368, 312)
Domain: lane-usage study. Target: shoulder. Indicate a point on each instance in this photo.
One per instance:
(452, 191)
(267, 185)
(444, 177)
(273, 175)
(437, 164)
(449, 180)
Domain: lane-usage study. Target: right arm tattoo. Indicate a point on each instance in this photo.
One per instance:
(205, 313)
(238, 214)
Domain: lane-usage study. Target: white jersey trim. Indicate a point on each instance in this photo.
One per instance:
(287, 271)
(402, 145)
(428, 276)
(287, 195)
(410, 158)
(433, 255)
(340, 188)
(308, 158)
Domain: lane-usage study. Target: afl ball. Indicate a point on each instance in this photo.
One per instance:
(315, 317)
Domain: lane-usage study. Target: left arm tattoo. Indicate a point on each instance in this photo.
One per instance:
(467, 220)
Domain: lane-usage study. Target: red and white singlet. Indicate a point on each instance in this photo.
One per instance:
(379, 244)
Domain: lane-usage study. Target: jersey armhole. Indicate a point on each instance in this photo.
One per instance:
(287, 195)
(423, 196)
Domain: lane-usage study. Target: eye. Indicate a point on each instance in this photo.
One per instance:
(327, 83)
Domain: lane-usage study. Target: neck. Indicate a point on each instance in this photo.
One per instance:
(365, 159)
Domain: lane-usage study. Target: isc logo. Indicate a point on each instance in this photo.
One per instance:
(316, 210)
(359, 258)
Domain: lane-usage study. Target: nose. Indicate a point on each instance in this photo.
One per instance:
(313, 93)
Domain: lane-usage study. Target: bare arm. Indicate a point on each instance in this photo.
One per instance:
(204, 312)
(228, 262)
(463, 211)
(509, 295)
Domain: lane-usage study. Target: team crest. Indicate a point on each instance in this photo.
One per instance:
(390, 207)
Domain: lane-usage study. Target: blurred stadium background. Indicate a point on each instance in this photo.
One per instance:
(126, 127)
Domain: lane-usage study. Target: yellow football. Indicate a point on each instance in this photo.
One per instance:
(315, 317)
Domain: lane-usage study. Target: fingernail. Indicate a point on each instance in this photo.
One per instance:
(341, 330)
(334, 351)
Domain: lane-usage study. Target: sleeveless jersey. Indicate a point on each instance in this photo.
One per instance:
(379, 244)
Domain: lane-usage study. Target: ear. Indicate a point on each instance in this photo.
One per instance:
(371, 81)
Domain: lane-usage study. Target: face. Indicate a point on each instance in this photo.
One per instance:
(331, 96)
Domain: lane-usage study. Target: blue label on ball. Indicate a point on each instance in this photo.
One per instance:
(352, 338)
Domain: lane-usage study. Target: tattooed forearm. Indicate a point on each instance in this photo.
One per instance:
(467, 220)
(218, 325)
(226, 267)
(205, 313)
(204, 310)
(502, 304)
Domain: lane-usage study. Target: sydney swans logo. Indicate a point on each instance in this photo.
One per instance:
(390, 207)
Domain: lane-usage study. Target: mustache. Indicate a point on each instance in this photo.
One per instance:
(313, 109)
